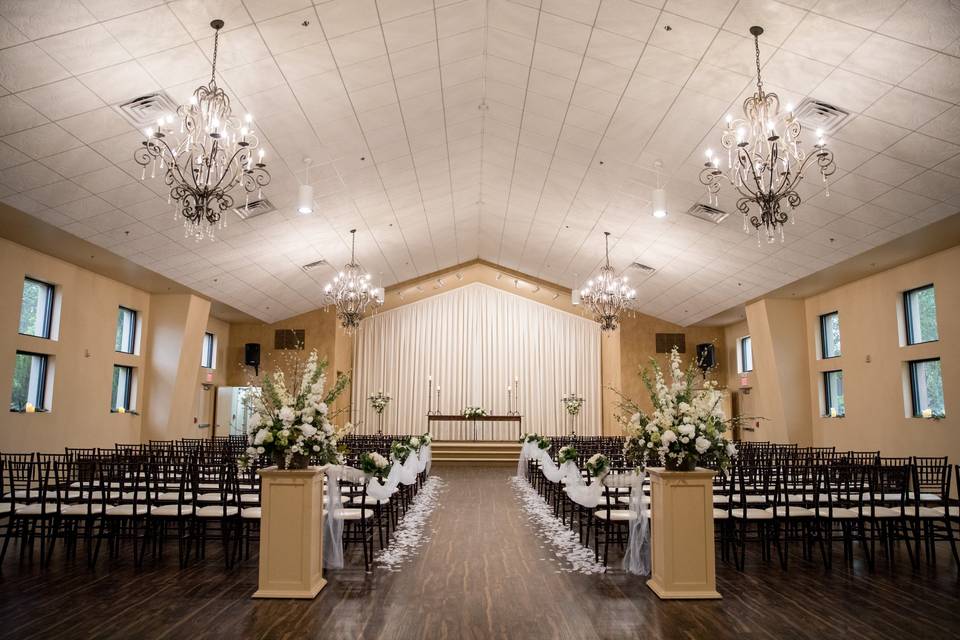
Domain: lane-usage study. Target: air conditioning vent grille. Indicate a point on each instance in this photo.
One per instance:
(314, 265)
(708, 213)
(145, 110)
(254, 208)
(643, 268)
(814, 115)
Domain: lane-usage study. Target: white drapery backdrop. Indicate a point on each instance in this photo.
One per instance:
(474, 341)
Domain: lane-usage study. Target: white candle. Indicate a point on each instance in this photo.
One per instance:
(121, 410)
(29, 408)
(927, 413)
(833, 412)
(438, 388)
(509, 389)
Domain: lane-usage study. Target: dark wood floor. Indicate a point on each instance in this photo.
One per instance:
(483, 575)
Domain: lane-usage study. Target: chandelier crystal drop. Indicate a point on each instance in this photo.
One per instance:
(351, 292)
(204, 152)
(607, 295)
(765, 160)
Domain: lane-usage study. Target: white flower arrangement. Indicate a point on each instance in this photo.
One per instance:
(372, 463)
(291, 425)
(572, 403)
(567, 454)
(474, 412)
(598, 464)
(426, 439)
(686, 427)
(379, 401)
(414, 443)
(400, 450)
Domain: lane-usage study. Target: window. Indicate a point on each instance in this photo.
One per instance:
(208, 357)
(830, 335)
(36, 308)
(926, 385)
(833, 405)
(122, 386)
(745, 355)
(126, 330)
(29, 382)
(920, 312)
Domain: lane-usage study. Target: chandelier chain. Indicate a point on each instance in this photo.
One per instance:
(756, 46)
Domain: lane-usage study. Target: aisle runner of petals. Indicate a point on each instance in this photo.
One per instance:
(566, 543)
(409, 536)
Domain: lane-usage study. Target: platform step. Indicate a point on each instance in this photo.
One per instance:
(475, 452)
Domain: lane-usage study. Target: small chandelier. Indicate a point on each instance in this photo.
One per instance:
(210, 155)
(607, 295)
(351, 293)
(765, 161)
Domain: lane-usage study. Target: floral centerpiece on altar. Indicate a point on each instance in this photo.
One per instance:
(474, 412)
(687, 425)
(379, 401)
(291, 424)
(567, 454)
(572, 403)
(374, 464)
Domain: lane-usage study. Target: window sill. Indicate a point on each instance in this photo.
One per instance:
(931, 418)
(25, 411)
(836, 417)
(133, 413)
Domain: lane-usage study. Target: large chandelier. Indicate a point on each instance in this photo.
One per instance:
(608, 294)
(765, 161)
(204, 157)
(351, 292)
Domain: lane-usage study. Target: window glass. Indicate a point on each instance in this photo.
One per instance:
(746, 354)
(126, 330)
(36, 308)
(920, 309)
(122, 384)
(29, 381)
(834, 405)
(927, 386)
(830, 335)
(208, 357)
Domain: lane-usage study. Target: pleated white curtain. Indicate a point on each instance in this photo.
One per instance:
(474, 341)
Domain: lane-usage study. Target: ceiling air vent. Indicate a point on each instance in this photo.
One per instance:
(146, 110)
(814, 115)
(708, 213)
(254, 208)
(314, 265)
(643, 268)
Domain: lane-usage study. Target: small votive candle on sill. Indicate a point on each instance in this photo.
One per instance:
(29, 408)
(833, 412)
(927, 413)
(121, 410)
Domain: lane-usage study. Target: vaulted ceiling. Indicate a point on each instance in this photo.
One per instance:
(512, 131)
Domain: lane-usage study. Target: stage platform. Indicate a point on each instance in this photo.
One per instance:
(476, 453)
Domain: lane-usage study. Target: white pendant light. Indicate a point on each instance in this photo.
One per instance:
(659, 195)
(575, 294)
(305, 194)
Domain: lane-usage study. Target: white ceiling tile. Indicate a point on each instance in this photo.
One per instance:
(76, 161)
(120, 83)
(103, 179)
(850, 91)
(886, 59)
(16, 115)
(906, 108)
(939, 78)
(626, 19)
(824, 39)
(109, 9)
(340, 17)
(9, 35)
(409, 32)
(26, 66)
(868, 14)
(870, 133)
(148, 31)
(929, 23)
(291, 31)
(196, 16)
(85, 49)
(62, 99)
(889, 170)
(358, 46)
(42, 141)
(394, 9)
(40, 19)
(563, 33)
(777, 19)
(31, 175)
(683, 36)
(58, 193)
(946, 126)
(713, 12)
(923, 150)
(96, 125)
(177, 65)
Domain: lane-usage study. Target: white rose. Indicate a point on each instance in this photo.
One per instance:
(687, 430)
(308, 430)
(702, 444)
(287, 415)
(668, 436)
(261, 434)
(307, 418)
(260, 450)
(322, 408)
(414, 441)
(285, 433)
(731, 449)
(254, 421)
(316, 447)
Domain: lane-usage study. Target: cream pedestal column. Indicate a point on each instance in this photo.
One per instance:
(291, 533)
(684, 558)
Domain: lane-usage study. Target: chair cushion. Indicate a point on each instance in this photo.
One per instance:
(881, 512)
(954, 510)
(216, 511)
(36, 509)
(173, 496)
(926, 497)
(720, 514)
(251, 513)
(794, 512)
(370, 501)
(209, 497)
(170, 510)
(838, 513)
(755, 499)
(127, 510)
(752, 514)
(250, 498)
(924, 512)
(92, 509)
(616, 515)
(351, 514)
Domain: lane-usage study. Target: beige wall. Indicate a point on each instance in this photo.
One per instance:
(166, 362)
(82, 356)
(787, 378)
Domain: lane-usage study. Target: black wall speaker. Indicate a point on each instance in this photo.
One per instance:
(251, 356)
(706, 356)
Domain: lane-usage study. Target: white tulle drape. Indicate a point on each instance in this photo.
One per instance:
(474, 341)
